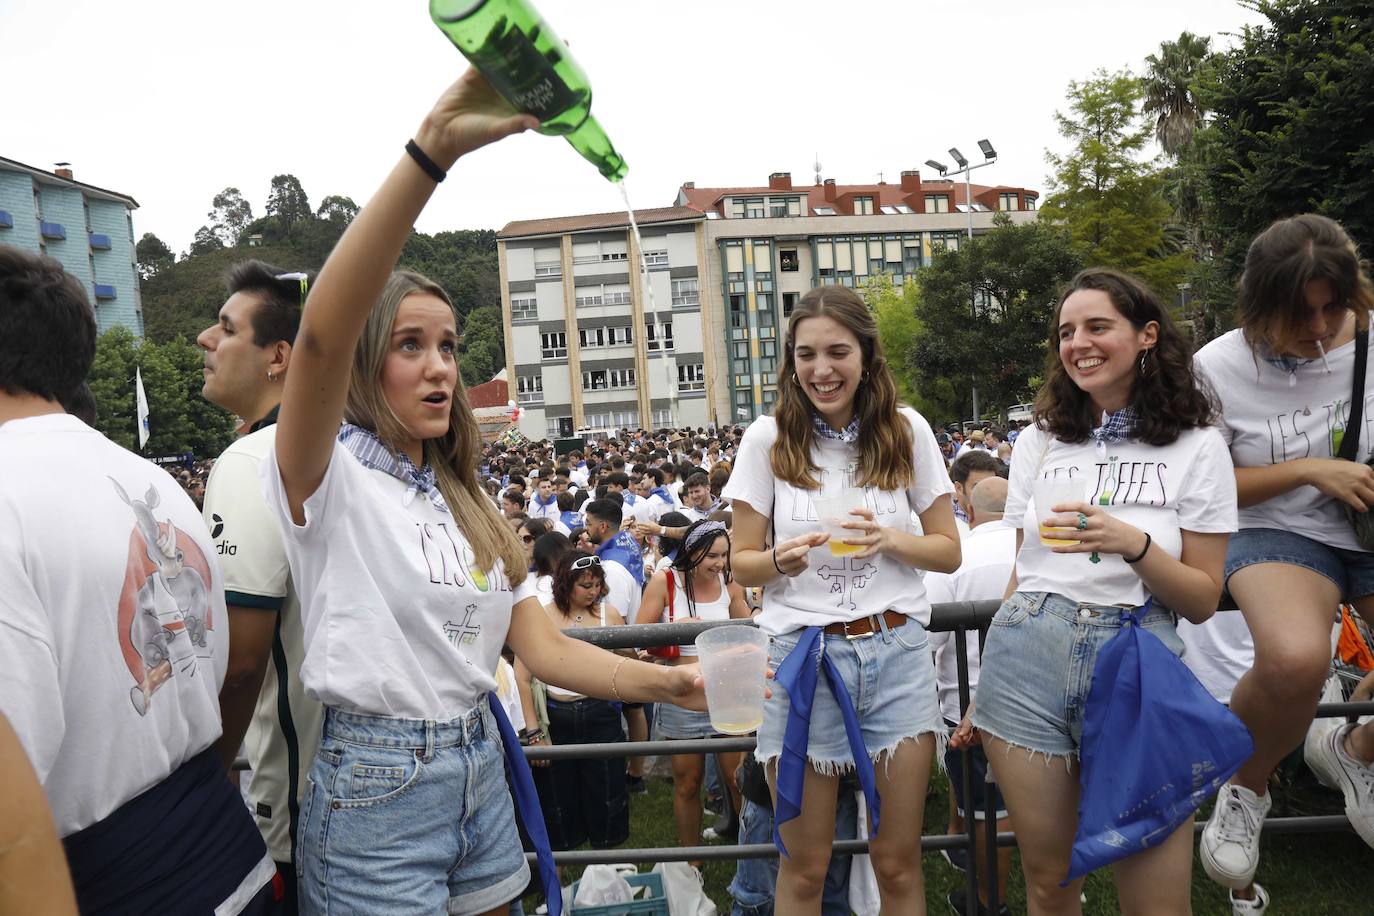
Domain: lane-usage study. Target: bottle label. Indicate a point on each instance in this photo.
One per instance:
(512, 63)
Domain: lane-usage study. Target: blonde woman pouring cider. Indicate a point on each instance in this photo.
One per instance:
(855, 617)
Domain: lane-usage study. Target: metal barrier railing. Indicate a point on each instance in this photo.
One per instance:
(958, 617)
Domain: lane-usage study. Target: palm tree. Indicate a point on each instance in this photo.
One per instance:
(1171, 95)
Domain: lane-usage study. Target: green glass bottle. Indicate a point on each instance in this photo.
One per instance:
(532, 68)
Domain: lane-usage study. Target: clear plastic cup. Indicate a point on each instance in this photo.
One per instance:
(1056, 491)
(833, 511)
(734, 665)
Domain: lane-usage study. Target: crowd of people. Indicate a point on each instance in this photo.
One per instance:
(374, 604)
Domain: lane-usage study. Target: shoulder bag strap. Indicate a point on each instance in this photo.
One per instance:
(672, 590)
(1350, 444)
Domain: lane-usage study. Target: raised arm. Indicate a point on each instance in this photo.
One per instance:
(469, 115)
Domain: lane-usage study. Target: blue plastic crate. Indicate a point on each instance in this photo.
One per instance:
(654, 902)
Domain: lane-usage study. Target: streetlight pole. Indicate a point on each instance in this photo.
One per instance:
(989, 156)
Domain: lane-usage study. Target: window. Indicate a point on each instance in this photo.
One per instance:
(691, 377)
(737, 317)
(685, 292)
(614, 256)
(529, 389)
(592, 296)
(663, 418)
(825, 211)
(1008, 201)
(789, 302)
(548, 270)
(753, 208)
(594, 380)
(656, 258)
(590, 338)
(950, 240)
(656, 334)
(553, 345)
(522, 309)
(546, 263)
(1030, 202)
(784, 206)
(622, 378)
(554, 426)
(620, 336)
(863, 206)
(788, 259)
(937, 203)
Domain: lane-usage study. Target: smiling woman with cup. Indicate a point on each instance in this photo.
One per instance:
(1130, 492)
(838, 427)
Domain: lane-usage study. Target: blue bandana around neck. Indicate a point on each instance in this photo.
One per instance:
(662, 493)
(623, 550)
(847, 435)
(570, 519)
(373, 453)
(1118, 426)
(553, 498)
(798, 675)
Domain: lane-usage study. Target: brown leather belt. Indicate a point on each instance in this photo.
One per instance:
(866, 626)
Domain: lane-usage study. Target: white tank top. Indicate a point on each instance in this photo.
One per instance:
(718, 609)
(558, 693)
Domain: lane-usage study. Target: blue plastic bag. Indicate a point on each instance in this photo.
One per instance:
(1155, 746)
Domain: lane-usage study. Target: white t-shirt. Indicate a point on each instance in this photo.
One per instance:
(718, 609)
(1219, 651)
(624, 591)
(989, 554)
(398, 622)
(248, 542)
(836, 589)
(1265, 420)
(1187, 485)
(543, 589)
(113, 634)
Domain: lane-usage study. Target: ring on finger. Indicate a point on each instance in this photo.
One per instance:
(1082, 522)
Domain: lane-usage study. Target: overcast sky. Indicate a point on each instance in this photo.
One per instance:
(171, 101)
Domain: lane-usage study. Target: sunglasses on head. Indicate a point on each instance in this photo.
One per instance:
(586, 562)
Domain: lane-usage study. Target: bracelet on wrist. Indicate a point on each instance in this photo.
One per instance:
(426, 164)
(774, 555)
(1144, 550)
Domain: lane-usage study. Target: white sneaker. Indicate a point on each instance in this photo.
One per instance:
(1337, 769)
(1254, 907)
(1230, 842)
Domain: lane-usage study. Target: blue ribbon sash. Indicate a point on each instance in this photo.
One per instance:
(527, 803)
(797, 675)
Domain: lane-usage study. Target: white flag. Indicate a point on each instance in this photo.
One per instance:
(142, 408)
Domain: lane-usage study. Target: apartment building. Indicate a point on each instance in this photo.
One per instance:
(89, 230)
(590, 349)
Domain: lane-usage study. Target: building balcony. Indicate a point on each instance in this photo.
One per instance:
(6, 221)
(100, 241)
(104, 291)
(52, 230)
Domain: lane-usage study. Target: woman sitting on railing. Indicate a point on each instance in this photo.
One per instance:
(584, 800)
(697, 586)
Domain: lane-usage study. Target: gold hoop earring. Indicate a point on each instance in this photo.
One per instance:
(796, 381)
(271, 376)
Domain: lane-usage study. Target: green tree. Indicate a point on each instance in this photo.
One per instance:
(483, 345)
(112, 384)
(337, 208)
(984, 311)
(206, 240)
(1171, 90)
(152, 256)
(230, 216)
(1294, 123)
(287, 201)
(1109, 199)
(894, 309)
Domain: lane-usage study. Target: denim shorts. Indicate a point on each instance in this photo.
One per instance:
(1038, 664)
(675, 722)
(891, 680)
(408, 816)
(1351, 570)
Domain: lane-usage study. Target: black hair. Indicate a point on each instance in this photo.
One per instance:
(689, 558)
(47, 328)
(80, 403)
(667, 545)
(278, 315)
(548, 550)
(606, 510)
(565, 577)
(567, 501)
(617, 479)
(975, 460)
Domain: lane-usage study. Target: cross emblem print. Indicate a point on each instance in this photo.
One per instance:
(465, 633)
(845, 579)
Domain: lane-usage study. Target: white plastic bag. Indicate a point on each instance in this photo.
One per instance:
(863, 884)
(682, 886)
(601, 885)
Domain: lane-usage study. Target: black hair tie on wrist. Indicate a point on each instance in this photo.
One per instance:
(1144, 550)
(426, 164)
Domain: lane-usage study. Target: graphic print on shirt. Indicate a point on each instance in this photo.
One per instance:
(1291, 433)
(1119, 483)
(840, 577)
(465, 633)
(451, 560)
(164, 604)
(846, 578)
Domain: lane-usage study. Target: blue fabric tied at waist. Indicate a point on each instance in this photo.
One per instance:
(527, 803)
(797, 675)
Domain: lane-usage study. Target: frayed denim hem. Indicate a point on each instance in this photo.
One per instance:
(882, 756)
(1069, 759)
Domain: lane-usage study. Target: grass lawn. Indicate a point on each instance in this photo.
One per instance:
(1305, 875)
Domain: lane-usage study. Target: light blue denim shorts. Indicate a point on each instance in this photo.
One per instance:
(1038, 664)
(408, 816)
(891, 680)
(674, 722)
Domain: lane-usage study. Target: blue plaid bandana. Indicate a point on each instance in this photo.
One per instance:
(372, 453)
(1116, 427)
(847, 435)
